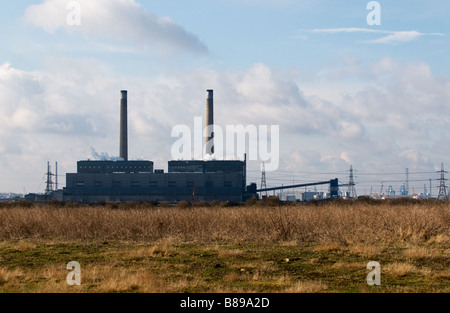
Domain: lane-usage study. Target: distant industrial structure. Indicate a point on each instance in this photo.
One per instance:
(307, 196)
(186, 180)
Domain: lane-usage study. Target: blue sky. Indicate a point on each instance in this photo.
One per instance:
(240, 33)
(343, 92)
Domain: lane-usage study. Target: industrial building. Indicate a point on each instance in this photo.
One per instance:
(127, 180)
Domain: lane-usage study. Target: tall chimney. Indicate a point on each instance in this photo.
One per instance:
(124, 126)
(210, 121)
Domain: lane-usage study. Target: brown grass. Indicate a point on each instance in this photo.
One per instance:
(230, 254)
(9, 275)
(307, 287)
(400, 269)
(327, 247)
(419, 253)
(371, 251)
(136, 247)
(332, 224)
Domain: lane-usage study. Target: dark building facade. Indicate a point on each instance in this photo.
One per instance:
(136, 181)
(110, 167)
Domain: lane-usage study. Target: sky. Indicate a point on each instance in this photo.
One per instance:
(344, 88)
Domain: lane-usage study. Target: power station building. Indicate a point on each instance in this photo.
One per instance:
(126, 180)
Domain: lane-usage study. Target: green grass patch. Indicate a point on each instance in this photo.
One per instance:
(136, 267)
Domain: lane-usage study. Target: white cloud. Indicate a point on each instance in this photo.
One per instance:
(393, 117)
(346, 30)
(392, 37)
(117, 20)
(414, 157)
(398, 37)
(350, 129)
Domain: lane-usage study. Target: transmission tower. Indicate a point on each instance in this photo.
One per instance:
(442, 193)
(351, 185)
(263, 180)
(49, 182)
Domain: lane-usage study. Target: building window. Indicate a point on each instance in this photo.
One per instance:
(153, 184)
(209, 184)
(172, 184)
(227, 184)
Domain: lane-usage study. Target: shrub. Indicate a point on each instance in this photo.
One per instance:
(251, 201)
(272, 201)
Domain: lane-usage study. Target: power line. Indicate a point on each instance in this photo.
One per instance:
(279, 177)
(296, 172)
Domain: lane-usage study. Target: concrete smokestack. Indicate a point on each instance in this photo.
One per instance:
(124, 125)
(210, 121)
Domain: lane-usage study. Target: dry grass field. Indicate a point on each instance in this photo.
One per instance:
(215, 248)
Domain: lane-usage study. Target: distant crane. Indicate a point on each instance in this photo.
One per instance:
(390, 191)
(403, 190)
(431, 190)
